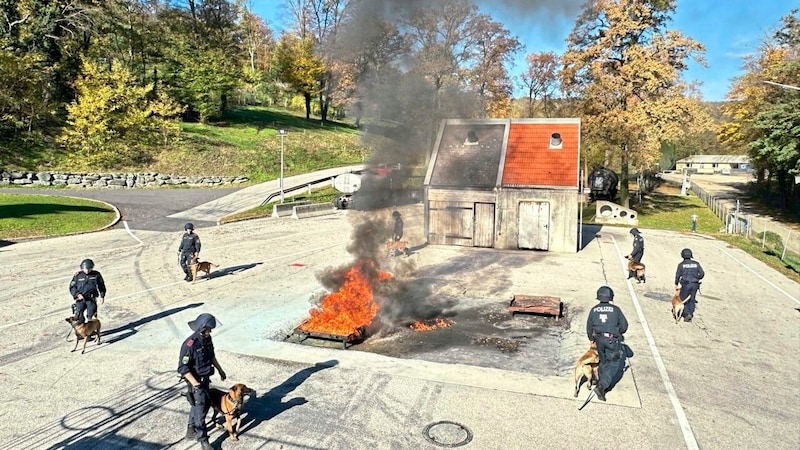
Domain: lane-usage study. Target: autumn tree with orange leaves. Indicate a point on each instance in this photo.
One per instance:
(764, 118)
(624, 66)
(540, 79)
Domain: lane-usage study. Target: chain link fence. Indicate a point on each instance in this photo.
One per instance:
(773, 237)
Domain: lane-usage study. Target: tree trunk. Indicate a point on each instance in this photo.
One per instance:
(307, 97)
(623, 177)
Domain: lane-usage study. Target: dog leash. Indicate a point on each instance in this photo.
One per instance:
(591, 393)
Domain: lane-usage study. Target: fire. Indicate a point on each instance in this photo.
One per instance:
(430, 325)
(351, 306)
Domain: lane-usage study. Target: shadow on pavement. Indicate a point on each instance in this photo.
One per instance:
(232, 270)
(131, 327)
(270, 404)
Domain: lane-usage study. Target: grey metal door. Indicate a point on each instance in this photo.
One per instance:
(534, 225)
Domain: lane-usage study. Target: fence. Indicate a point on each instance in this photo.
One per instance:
(773, 237)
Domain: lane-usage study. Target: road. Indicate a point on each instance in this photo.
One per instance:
(729, 379)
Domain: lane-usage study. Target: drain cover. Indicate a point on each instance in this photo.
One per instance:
(447, 434)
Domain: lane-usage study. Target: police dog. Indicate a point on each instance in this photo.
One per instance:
(201, 266)
(84, 330)
(587, 366)
(677, 305)
(396, 247)
(230, 405)
(637, 269)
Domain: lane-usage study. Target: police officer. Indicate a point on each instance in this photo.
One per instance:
(87, 284)
(397, 231)
(189, 248)
(196, 364)
(606, 326)
(638, 249)
(688, 276)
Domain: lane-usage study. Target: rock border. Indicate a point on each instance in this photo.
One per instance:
(112, 180)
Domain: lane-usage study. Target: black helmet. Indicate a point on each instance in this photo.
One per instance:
(396, 214)
(605, 294)
(634, 231)
(87, 264)
(204, 320)
(189, 226)
(686, 253)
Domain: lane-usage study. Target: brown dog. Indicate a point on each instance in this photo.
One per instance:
(637, 269)
(395, 247)
(586, 367)
(201, 266)
(230, 405)
(84, 330)
(677, 305)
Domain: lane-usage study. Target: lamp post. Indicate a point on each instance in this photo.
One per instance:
(282, 134)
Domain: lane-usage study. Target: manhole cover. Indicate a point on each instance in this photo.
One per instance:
(447, 434)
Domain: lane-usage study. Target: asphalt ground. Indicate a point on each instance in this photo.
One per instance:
(729, 379)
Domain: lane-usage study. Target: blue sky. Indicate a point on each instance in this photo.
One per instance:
(729, 29)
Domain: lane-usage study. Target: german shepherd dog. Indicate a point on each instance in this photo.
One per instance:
(201, 266)
(230, 405)
(637, 269)
(586, 367)
(84, 330)
(677, 305)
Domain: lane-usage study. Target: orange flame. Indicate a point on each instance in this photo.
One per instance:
(343, 312)
(431, 325)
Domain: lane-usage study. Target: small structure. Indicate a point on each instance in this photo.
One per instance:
(711, 164)
(505, 183)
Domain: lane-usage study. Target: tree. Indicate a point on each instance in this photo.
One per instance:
(765, 118)
(625, 66)
(114, 122)
(298, 66)
(540, 79)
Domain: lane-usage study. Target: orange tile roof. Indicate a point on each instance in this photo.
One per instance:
(531, 162)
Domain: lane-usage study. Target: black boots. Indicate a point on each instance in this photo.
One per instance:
(205, 445)
(630, 274)
(600, 392)
(190, 434)
(687, 318)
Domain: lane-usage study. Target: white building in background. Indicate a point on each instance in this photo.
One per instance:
(711, 164)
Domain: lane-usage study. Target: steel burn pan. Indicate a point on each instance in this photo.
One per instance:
(355, 337)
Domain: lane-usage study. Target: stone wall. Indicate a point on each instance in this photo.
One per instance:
(111, 180)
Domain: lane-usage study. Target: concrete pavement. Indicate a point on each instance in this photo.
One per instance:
(680, 391)
(727, 380)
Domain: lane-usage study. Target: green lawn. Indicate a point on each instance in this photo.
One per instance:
(24, 216)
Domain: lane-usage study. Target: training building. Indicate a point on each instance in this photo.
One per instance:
(505, 184)
(711, 164)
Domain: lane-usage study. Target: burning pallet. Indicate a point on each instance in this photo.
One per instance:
(351, 338)
(536, 304)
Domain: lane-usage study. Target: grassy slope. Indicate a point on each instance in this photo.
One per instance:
(247, 143)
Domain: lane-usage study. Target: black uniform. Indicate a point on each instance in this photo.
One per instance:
(397, 232)
(638, 248)
(606, 326)
(190, 245)
(90, 285)
(197, 355)
(688, 275)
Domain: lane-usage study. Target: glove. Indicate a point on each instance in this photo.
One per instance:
(222, 375)
(102, 300)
